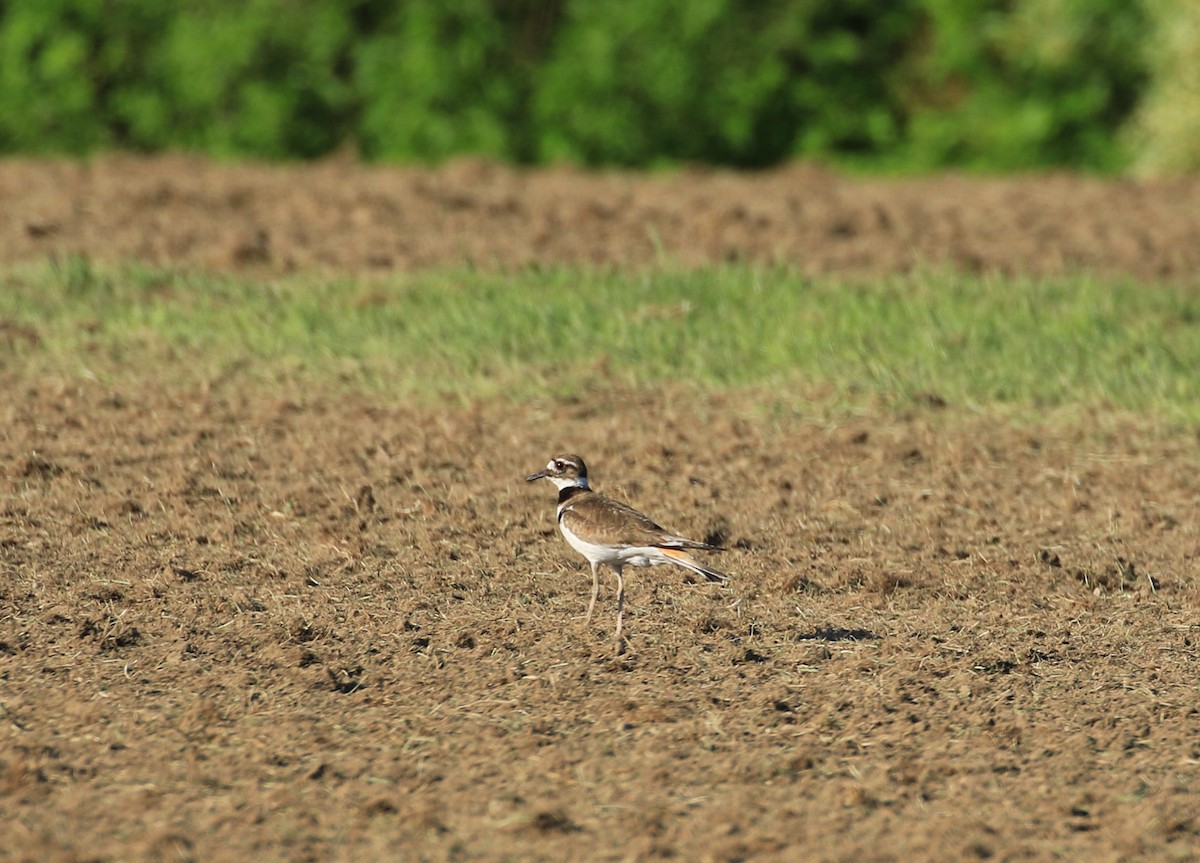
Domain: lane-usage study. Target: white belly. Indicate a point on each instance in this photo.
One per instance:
(614, 556)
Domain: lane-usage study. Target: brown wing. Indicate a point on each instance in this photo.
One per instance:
(608, 521)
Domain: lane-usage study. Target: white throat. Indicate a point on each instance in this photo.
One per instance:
(561, 482)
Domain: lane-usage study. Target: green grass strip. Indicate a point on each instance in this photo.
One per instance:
(972, 341)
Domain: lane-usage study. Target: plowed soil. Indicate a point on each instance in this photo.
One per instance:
(181, 211)
(240, 624)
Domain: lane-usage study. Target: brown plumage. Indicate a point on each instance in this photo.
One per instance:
(607, 531)
(609, 522)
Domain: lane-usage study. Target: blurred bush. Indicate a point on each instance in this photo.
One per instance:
(882, 83)
(1165, 133)
(743, 83)
(1025, 83)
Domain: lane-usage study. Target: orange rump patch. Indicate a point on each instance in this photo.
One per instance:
(678, 554)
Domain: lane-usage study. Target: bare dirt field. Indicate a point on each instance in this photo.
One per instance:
(337, 215)
(241, 624)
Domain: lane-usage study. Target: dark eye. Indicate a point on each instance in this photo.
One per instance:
(560, 465)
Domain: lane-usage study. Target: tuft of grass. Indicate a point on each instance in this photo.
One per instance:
(972, 341)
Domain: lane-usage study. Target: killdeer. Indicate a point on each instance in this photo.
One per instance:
(605, 531)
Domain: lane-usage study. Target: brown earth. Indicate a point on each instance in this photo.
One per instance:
(238, 624)
(191, 212)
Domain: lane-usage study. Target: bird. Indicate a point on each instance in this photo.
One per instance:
(606, 531)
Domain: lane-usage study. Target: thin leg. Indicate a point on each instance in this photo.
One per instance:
(595, 593)
(620, 610)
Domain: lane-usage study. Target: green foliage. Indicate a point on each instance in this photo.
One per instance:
(720, 80)
(908, 83)
(1165, 134)
(438, 79)
(59, 60)
(269, 80)
(1023, 84)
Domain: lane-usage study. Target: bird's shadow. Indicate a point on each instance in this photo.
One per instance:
(837, 633)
